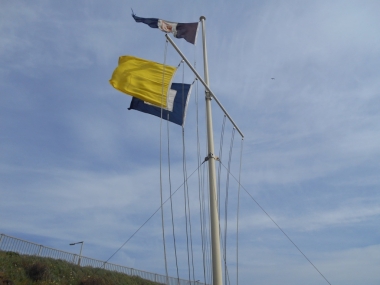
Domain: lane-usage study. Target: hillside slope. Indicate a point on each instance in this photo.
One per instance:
(16, 269)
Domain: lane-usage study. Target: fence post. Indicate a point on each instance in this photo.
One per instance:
(1, 239)
(74, 258)
(39, 250)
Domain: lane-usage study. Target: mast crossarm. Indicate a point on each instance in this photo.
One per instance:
(204, 83)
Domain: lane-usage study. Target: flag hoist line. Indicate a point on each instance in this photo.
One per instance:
(215, 235)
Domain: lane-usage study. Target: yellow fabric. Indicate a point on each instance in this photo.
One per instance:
(143, 79)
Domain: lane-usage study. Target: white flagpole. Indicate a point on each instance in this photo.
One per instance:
(215, 237)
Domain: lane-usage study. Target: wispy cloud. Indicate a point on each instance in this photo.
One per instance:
(76, 164)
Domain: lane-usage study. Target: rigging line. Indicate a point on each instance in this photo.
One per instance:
(171, 200)
(208, 207)
(188, 203)
(186, 186)
(187, 233)
(155, 212)
(237, 216)
(200, 186)
(179, 64)
(162, 209)
(201, 217)
(220, 157)
(226, 205)
(185, 208)
(207, 212)
(257, 203)
(207, 223)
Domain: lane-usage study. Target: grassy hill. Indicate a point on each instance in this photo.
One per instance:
(16, 269)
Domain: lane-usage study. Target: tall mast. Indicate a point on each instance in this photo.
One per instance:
(214, 216)
(215, 237)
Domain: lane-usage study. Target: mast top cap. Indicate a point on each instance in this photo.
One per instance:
(202, 18)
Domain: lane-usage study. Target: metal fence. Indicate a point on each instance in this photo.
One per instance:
(8, 243)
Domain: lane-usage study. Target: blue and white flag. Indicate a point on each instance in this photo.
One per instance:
(187, 31)
(175, 112)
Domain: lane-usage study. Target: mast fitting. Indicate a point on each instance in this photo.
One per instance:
(211, 155)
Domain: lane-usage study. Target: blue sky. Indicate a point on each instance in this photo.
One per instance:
(76, 165)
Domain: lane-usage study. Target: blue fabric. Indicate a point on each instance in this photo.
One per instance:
(151, 22)
(187, 31)
(179, 105)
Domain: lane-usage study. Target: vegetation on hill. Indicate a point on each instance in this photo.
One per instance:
(16, 269)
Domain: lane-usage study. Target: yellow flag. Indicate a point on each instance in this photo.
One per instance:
(143, 79)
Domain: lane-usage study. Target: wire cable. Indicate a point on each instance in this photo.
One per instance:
(151, 216)
(162, 209)
(186, 195)
(220, 157)
(171, 200)
(237, 215)
(257, 203)
(226, 206)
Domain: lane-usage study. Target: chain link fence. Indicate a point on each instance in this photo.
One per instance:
(8, 243)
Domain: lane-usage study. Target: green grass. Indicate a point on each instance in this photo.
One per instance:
(16, 269)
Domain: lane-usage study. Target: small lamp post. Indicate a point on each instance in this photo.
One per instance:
(81, 247)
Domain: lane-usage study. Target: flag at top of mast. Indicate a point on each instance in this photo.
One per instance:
(187, 31)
